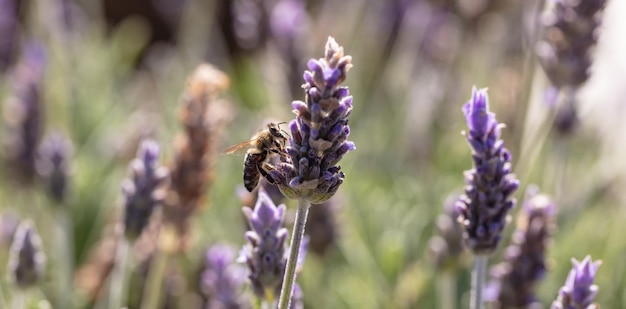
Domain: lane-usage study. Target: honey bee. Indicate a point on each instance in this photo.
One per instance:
(259, 149)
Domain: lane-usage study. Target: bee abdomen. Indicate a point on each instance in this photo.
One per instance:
(251, 172)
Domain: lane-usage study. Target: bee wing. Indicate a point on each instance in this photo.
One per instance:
(240, 148)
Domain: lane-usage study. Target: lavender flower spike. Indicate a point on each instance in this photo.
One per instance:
(319, 132)
(27, 260)
(222, 279)
(489, 185)
(524, 264)
(579, 290)
(265, 253)
(145, 190)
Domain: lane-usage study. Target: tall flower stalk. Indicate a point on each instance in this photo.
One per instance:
(310, 173)
(524, 262)
(484, 207)
(143, 192)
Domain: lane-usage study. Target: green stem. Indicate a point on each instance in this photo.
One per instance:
(294, 249)
(152, 291)
(478, 280)
(118, 279)
(447, 290)
(66, 255)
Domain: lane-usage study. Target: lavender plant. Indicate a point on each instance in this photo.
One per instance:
(318, 141)
(484, 207)
(9, 32)
(524, 265)
(579, 290)
(143, 193)
(221, 280)
(53, 165)
(265, 253)
(145, 190)
(570, 31)
(27, 261)
(25, 125)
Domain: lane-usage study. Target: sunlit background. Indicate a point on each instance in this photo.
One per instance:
(114, 72)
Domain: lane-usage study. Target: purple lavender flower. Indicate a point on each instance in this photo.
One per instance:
(26, 260)
(222, 279)
(525, 260)
(53, 166)
(489, 185)
(25, 125)
(319, 132)
(447, 247)
(568, 37)
(579, 290)
(8, 32)
(145, 190)
(265, 253)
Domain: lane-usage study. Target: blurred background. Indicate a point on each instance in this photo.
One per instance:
(83, 82)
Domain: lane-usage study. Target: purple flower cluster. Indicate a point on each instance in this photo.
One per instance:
(145, 190)
(579, 290)
(53, 166)
(446, 247)
(568, 37)
(27, 260)
(489, 185)
(319, 132)
(25, 126)
(525, 260)
(265, 253)
(222, 279)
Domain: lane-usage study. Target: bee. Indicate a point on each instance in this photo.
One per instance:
(260, 149)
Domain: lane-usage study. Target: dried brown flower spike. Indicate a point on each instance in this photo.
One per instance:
(203, 116)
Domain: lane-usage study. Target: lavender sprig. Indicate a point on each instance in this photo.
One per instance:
(318, 141)
(525, 260)
(489, 185)
(25, 125)
(265, 253)
(53, 165)
(579, 290)
(26, 260)
(145, 191)
(319, 132)
(222, 279)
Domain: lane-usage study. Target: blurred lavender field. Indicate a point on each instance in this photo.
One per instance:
(114, 115)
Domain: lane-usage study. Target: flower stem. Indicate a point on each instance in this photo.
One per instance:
(118, 279)
(447, 290)
(66, 255)
(294, 249)
(478, 280)
(152, 291)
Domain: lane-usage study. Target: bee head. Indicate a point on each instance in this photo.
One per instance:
(275, 130)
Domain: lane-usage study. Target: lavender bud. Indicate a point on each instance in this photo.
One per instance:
(25, 115)
(144, 191)
(319, 130)
(27, 260)
(222, 279)
(53, 166)
(484, 207)
(447, 247)
(569, 35)
(525, 260)
(9, 33)
(579, 290)
(265, 253)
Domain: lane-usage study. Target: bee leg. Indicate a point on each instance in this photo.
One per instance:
(265, 168)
